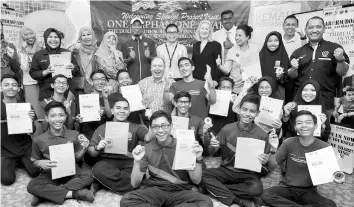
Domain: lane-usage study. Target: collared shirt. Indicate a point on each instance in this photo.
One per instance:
(292, 44)
(136, 133)
(228, 137)
(161, 158)
(221, 34)
(171, 57)
(134, 37)
(321, 68)
(40, 145)
(152, 92)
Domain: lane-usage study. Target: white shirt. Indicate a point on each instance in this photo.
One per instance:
(292, 44)
(172, 58)
(221, 34)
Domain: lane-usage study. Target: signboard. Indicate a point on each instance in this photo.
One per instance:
(12, 22)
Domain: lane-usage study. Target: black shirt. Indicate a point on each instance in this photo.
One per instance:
(322, 68)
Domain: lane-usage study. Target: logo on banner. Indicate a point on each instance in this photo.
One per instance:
(325, 54)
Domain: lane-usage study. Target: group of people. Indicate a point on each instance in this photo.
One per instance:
(301, 69)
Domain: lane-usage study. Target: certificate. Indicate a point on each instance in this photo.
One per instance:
(322, 165)
(59, 62)
(64, 155)
(251, 66)
(269, 109)
(179, 123)
(247, 151)
(89, 107)
(18, 120)
(221, 107)
(116, 135)
(185, 158)
(316, 110)
(133, 95)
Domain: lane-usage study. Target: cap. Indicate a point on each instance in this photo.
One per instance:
(136, 19)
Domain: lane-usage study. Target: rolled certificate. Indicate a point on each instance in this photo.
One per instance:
(339, 176)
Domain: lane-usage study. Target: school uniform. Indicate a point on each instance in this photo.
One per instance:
(114, 170)
(165, 186)
(43, 186)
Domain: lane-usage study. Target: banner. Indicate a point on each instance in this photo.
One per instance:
(116, 15)
(270, 18)
(342, 140)
(340, 28)
(12, 22)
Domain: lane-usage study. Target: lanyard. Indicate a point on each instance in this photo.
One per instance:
(168, 52)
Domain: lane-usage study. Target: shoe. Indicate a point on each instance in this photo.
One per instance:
(35, 201)
(95, 187)
(246, 203)
(85, 195)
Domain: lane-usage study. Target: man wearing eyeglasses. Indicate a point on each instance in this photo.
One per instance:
(138, 52)
(165, 186)
(171, 52)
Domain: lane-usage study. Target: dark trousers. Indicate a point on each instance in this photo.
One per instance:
(153, 196)
(280, 196)
(114, 174)
(55, 190)
(228, 186)
(8, 166)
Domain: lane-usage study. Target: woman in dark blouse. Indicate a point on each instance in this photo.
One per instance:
(205, 52)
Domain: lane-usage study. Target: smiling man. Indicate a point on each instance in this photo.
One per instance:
(296, 188)
(321, 60)
(113, 170)
(165, 186)
(293, 37)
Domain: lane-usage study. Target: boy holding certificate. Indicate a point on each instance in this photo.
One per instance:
(296, 188)
(14, 147)
(114, 169)
(165, 186)
(57, 190)
(242, 186)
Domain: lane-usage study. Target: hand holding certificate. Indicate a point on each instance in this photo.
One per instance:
(221, 107)
(89, 107)
(251, 66)
(59, 63)
(18, 120)
(179, 123)
(269, 110)
(322, 165)
(316, 110)
(133, 94)
(64, 156)
(247, 152)
(116, 136)
(185, 158)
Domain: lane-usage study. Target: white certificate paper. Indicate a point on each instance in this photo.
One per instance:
(89, 107)
(179, 123)
(64, 155)
(59, 62)
(133, 95)
(116, 135)
(247, 151)
(184, 159)
(269, 109)
(322, 165)
(18, 120)
(315, 110)
(251, 66)
(221, 107)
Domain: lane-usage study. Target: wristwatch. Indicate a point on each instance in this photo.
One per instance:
(200, 160)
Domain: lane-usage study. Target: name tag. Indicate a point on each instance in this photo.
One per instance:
(324, 58)
(42, 61)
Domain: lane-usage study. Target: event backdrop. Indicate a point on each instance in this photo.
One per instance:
(116, 15)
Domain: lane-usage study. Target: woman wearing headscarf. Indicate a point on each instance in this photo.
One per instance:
(275, 61)
(309, 93)
(84, 56)
(109, 59)
(41, 69)
(28, 46)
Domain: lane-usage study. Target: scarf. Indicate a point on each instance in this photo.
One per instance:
(89, 49)
(23, 44)
(46, 35)
(104, 52)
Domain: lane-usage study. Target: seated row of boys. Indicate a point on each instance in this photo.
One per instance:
(124, 173)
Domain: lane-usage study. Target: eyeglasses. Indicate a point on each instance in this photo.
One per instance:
(58, 83)
(183, 102)
(163, 126)
(99, 79)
